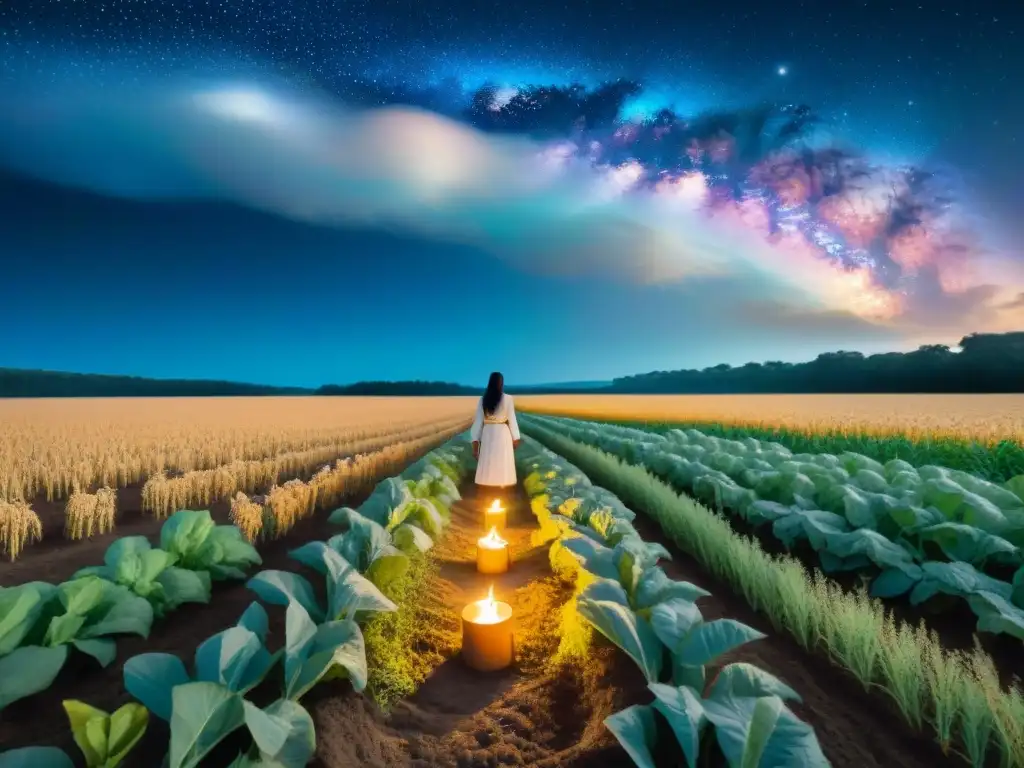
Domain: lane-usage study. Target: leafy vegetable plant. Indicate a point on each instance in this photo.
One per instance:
(313, 653)
(47, 620)
(150, 573)
(199, 544)
(236, 659)
(349, 593)
(106, 739)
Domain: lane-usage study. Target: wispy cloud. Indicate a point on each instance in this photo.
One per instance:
(544, 206)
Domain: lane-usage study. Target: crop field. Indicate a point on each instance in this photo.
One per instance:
(280, 582)
(982, 434)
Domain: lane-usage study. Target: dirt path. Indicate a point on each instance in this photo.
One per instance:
(533, 713)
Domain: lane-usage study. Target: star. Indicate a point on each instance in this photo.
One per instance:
(783, 71)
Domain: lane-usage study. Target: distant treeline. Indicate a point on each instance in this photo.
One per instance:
(15, 382)
(399, 389)
(986, 363)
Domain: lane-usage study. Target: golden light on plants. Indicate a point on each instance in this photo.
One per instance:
(492, 554)
(487, 634)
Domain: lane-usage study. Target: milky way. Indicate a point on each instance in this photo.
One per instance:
(675, 113)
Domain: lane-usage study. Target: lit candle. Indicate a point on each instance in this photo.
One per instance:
(494, 517)
(492, 555)
(487, 641)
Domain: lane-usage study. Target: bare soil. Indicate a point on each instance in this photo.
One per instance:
(532, 714)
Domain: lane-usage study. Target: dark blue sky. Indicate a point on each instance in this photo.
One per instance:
(294, 241)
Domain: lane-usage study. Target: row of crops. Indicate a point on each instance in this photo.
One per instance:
(956, 697)
(925, 533)
(626, 596)
(208, 703)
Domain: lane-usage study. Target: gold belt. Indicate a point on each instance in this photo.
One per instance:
(491, 421)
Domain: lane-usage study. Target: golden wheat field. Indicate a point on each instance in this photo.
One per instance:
(52, 448)
(64, 464)
(987, 418)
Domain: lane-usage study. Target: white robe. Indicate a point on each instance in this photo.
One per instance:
(495, 433)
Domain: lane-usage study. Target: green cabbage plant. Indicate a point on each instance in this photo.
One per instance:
(106, 739)
(379, 554)
(199, 544)
(392, 504)
(315, 653)
(45, 621)
(349, 593)
(283, 736)
(236, 659)
(133, 562)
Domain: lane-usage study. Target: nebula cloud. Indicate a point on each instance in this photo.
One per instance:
(802, 237)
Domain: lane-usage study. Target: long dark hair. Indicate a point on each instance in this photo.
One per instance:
(495, 389)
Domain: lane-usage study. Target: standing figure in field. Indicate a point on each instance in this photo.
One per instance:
(495, 435)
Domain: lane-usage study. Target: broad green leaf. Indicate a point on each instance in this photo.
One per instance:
(184, 532)
(673, 619)
(255, 619)
(997, 615)
(183, 586)
(312, 653)
(747, 681)
(409, 539)
(202, 715)
(894, 582)
(234, 658)
(20, 608)
(628, 631)
(127, 726)
(35, 757)
(29, 670)
(709, 640)
(90, 728)
(348, 591)
(683, 710)
(283, 733)
(763, 733)
(967, 543)
(655, 587)
(387, 567)
(284, 587)
(606, 590)
(128, 614)
(151, 678)
(104, 650)
(636, 731)
(594, 557)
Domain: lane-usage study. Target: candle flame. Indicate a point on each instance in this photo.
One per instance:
(495, 506)
(492, 540)
(487, 612)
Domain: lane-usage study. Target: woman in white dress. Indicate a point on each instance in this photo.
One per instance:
(495, 436)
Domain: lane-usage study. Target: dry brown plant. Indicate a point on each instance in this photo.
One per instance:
(90, 514)
(19, 526)
(286, 505)
(247, 516)
(163, 495)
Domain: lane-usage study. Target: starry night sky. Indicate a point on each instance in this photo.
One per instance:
(305, 192)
